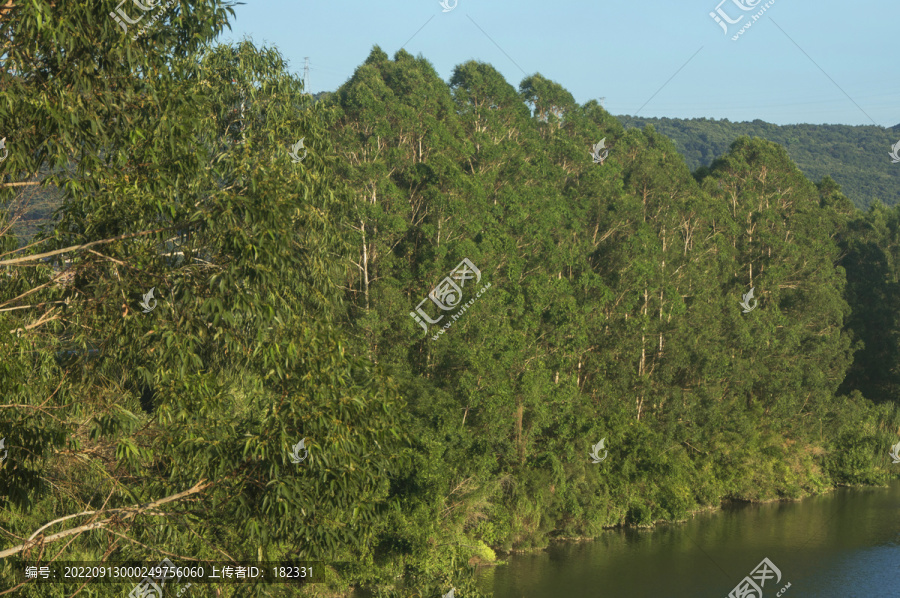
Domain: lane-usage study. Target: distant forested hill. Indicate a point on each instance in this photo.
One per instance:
(856, 157)
(31, 209)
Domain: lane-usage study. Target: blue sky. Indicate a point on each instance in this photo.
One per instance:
(800, 62)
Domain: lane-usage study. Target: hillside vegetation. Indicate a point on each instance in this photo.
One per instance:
(856, 157)
(294, 300)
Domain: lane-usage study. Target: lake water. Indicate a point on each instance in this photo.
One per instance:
(843, 545)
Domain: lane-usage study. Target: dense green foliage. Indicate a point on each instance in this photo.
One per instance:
(857, 157)
(284, 297)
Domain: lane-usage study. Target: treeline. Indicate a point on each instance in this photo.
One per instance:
(285, 293)
(856, 157)
(615, 306)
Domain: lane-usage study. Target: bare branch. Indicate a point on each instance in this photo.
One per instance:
(36, 289)
(26, 247)
(129, 512)
(14, 588)
(106, 257)
(31, 306)
(42, 407)
(42, 320)
(38, 256)
(22, 183)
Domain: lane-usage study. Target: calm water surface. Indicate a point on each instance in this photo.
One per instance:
(844, 545)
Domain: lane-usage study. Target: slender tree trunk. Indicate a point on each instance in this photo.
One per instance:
(642, 366)
(365, 264)
(661, 294)
(520, 412)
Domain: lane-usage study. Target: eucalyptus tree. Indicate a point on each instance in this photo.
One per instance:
(398, 138)
(871, 253)
(403, 149)
(783, 248)
(73, 88)
(783, 359)
(226, 235)
(651, 256)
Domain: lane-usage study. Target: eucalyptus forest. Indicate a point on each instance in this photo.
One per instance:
(283, 290)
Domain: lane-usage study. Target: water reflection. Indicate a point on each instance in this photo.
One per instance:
(841, 545)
